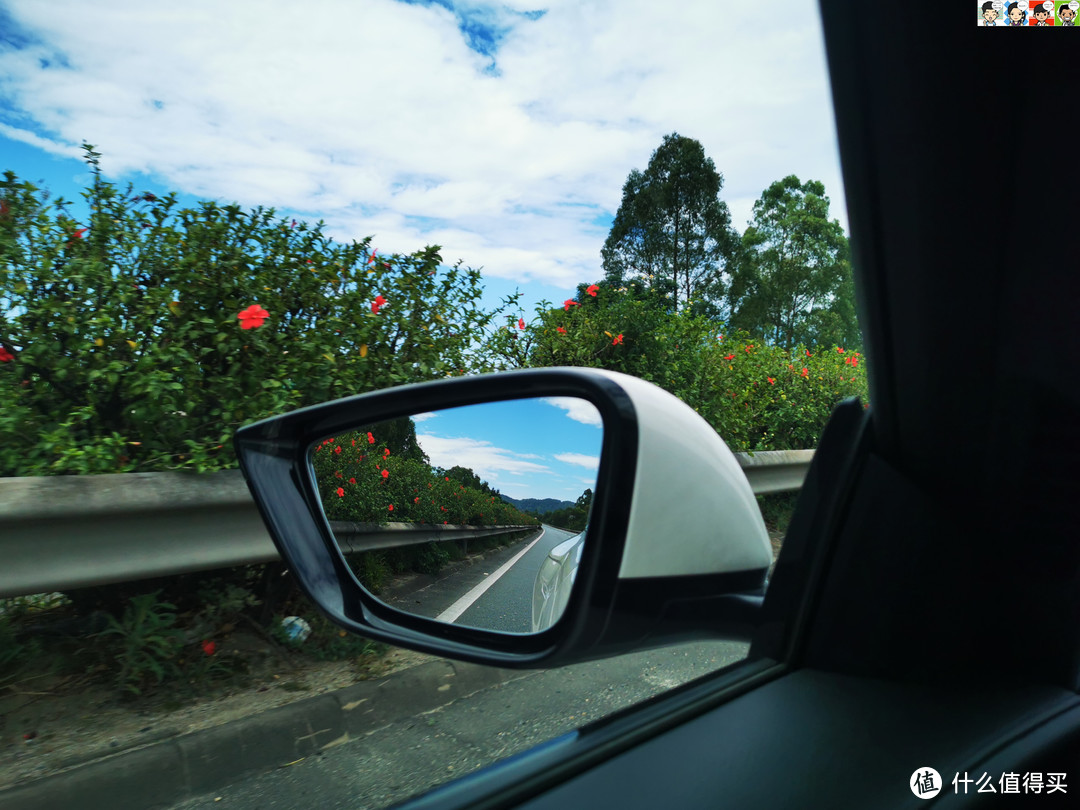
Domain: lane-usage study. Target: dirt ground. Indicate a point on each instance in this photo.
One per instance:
(50, 723)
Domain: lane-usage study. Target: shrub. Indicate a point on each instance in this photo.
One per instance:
(140, 340)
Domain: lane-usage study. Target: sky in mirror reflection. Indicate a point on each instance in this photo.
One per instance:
(525, 448)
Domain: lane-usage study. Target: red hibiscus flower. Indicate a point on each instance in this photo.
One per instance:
(592, 289)
(370, 438)
(570, 303)
(371, 258)
(385, 473)
(748, 348)
(808, 353)
(730, 357)
(340, 492)
(378, 304)
(416, 500)
(338, 449)
(386, 452)
(209, 647)
(521, 323)
(352, 480)
(78, 234)
(5, 355)
(390, 508)
(839, 350)
(805, 373)
(772, 380)
(253, 317)
(617, 339)
(560, 330)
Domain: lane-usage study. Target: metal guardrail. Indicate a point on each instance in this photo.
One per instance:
(356, 537)
(65, 532)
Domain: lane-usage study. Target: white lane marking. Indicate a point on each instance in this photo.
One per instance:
(453, 613)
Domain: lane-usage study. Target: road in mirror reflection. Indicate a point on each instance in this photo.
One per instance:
(472, 515)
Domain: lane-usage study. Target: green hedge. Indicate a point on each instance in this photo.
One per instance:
(127, 342)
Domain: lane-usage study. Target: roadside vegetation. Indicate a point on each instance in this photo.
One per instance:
(140, 339)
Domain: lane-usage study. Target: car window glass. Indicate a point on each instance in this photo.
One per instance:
(214, 215)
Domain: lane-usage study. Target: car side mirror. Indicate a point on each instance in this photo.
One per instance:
(416, 516)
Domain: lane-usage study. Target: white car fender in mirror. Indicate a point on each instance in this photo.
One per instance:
(692, 510)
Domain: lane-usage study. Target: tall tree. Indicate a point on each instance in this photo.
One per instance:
(791, 280)
(672, 228)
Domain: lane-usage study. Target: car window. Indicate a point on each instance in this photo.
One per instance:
(213, 215)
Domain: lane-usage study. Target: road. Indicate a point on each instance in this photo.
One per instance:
(504, 605)
(411, 756)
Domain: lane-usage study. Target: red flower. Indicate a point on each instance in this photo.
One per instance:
(617, 340)
(444, 523)
(378, 304)
(772, 380)
(570, 303)
(448, 478)
(591, 289)
(805, 373)
(385, 473)
(386, 452)
(521, 323)
(340, 492)
(560, 330)
(352, 480)
(808, 353)
(371, 258)
(839, 350)
(337, 449)
(78, 234)
(390, 508)
(748, 348)
(730, 357)
(416, 500)
(253, 317)
(370, 438)
(209, 647)
(5, 355)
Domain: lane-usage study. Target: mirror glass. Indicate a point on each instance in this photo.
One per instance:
(472, 515)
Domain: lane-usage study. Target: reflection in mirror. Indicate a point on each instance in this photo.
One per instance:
(472, 515)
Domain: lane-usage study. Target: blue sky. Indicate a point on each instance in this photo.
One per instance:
(525, 448)
(502, 131)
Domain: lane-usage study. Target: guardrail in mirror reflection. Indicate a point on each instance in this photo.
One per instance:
(65, 532)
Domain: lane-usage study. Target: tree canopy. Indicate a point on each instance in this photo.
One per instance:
(672, 229)
(791, 280)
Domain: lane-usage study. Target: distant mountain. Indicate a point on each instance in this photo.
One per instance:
(538, 506)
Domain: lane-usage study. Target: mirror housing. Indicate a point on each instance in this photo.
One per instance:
(677, 547)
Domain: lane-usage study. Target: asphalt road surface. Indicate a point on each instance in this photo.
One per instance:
(414, 755)
(505, 605)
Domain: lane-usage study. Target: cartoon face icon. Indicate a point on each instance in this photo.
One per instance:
(989, 14)
(1041, 14)
(1015, 14)
(1067, 14)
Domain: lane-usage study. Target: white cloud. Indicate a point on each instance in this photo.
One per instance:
(376, 116)
(423, 417)
(579, 460)
(491, 463)
(580, 410)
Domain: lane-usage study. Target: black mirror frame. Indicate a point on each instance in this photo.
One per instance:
(275, 459)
